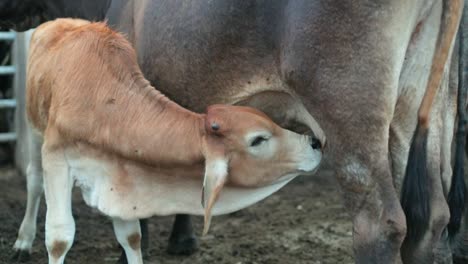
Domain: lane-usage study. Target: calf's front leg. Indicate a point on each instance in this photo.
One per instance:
(144, 243)
(181, 242)
(129, 236)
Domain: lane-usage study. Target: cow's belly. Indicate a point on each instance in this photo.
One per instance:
(228, 87)
(122, 189)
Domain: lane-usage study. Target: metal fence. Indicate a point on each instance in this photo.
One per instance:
(7, 70)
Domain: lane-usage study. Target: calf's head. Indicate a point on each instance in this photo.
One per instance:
(244, 148)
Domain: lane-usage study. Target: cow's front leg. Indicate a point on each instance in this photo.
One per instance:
(379, 225)
(129, 236)
(60, 225)
(182, 240)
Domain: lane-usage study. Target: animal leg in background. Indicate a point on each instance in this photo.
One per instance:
(182, 240)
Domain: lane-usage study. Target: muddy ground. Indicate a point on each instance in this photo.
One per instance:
(304, 222)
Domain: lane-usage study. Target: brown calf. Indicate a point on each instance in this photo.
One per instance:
(133, 151)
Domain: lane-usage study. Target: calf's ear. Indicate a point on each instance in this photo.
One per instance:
(216, 172)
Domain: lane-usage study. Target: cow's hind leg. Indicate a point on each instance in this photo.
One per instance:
(459, 243)
(459, 240)
(460, 254)
(60, 225)
(427, 241)
(431, 246)
(129, 236)
(182, 240)
(27, 231)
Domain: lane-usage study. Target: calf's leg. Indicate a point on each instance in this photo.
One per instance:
(27, 231)
(181, 242)
(129, 236)
(60, 225)
(144, 242)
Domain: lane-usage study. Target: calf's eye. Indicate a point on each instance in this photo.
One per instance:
(257, 141)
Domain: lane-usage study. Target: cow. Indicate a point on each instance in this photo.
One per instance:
(360, 68)
(133, 151)
(27, 14)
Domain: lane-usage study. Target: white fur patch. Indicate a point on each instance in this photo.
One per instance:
(355, 172)
(147, 193)
(217, 167)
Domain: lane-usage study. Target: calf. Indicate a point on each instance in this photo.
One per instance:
(133, 151)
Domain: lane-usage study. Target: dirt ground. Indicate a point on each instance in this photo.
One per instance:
(304, 222)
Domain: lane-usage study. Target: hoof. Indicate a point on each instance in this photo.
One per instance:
(445, 260)
(443, 252)
(20, 256)
(182, 246)
(460, 259)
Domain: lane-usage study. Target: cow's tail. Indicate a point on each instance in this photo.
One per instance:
(457, 194)
(415, 189)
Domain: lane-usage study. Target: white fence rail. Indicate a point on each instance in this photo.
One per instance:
(19, 58)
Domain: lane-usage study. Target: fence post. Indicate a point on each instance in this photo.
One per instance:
(20, 54)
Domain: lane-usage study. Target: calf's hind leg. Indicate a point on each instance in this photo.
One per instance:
(27, 231)
(60, 225)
